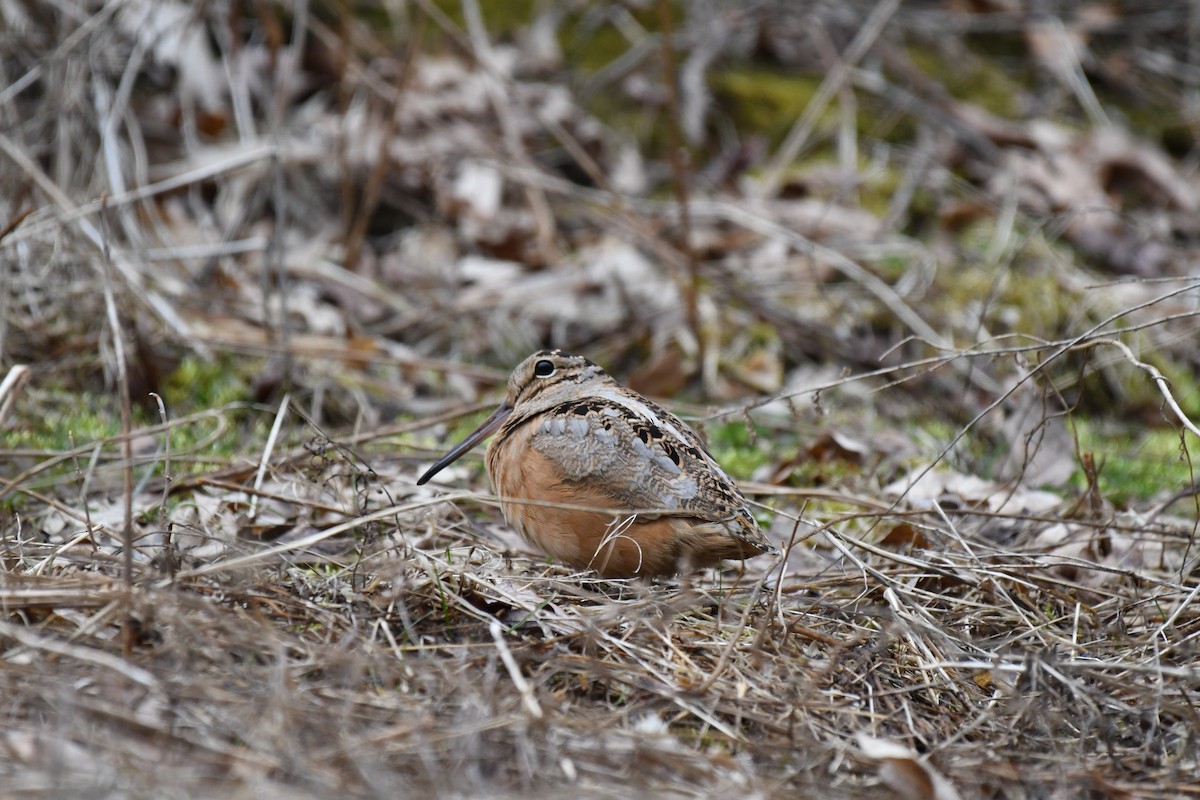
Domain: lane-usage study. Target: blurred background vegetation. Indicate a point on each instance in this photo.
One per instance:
(346, 199)
(855, 243)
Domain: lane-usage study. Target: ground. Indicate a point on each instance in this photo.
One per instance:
(922, 275)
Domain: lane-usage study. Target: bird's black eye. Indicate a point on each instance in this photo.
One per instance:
(543, 368)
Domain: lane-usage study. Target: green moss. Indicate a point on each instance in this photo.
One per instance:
(879, 186)
(730, 444)
(979, 81)
(589, 47)
(58, 420)
(766, 101)
(892, 267)
(198, 384)
(1136, 464)
(1023, 292)
(61, 417)
(811, 473)
(592, 49)
(877, 189)
(500, 19)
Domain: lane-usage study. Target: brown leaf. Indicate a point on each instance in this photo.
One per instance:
(904, 772)
(834, 446)
(663, 375)
(904, 536)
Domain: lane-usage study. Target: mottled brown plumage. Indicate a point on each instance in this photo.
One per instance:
(598, 476)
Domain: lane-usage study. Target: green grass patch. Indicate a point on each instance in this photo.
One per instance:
(738, 453)
(978, 81)
(196, 384)
(61, 416)
(1137, 464)
(55, 421)
(766, 101)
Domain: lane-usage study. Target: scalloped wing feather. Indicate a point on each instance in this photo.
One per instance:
(643, 458)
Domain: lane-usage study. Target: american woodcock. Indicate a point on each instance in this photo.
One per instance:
(596, 475)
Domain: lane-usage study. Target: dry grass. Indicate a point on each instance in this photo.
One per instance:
(414, 657)
(354, 225)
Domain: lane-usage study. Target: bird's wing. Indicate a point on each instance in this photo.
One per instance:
(638, 456)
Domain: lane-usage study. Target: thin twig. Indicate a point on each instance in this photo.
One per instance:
(10, 389)
(265, 458)
(830, 86)
(543, 214)
(126, 406)
(678, 158)
(514, 672)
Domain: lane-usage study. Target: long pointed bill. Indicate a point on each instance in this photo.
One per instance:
(485, 430)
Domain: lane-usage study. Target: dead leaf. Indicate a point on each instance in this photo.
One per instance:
(664, 374)
(836, 446)
(904, 536)
(904, 772)
(954, 490)
(1113, 550)
(1040, 450)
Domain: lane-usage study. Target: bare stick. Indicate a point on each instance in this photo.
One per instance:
(87, 655)
(305, 542)
(114, 324)
(678, 157)
(164, 523)
(543, 214)
(266, 456)
(527, 696)
(829, 87)
(84, 480)
(14, 381)
(1164, 386)
(374, 188)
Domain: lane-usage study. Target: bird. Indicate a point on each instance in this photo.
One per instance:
(597, 476)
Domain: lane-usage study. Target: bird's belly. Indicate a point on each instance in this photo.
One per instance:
(572, 524)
